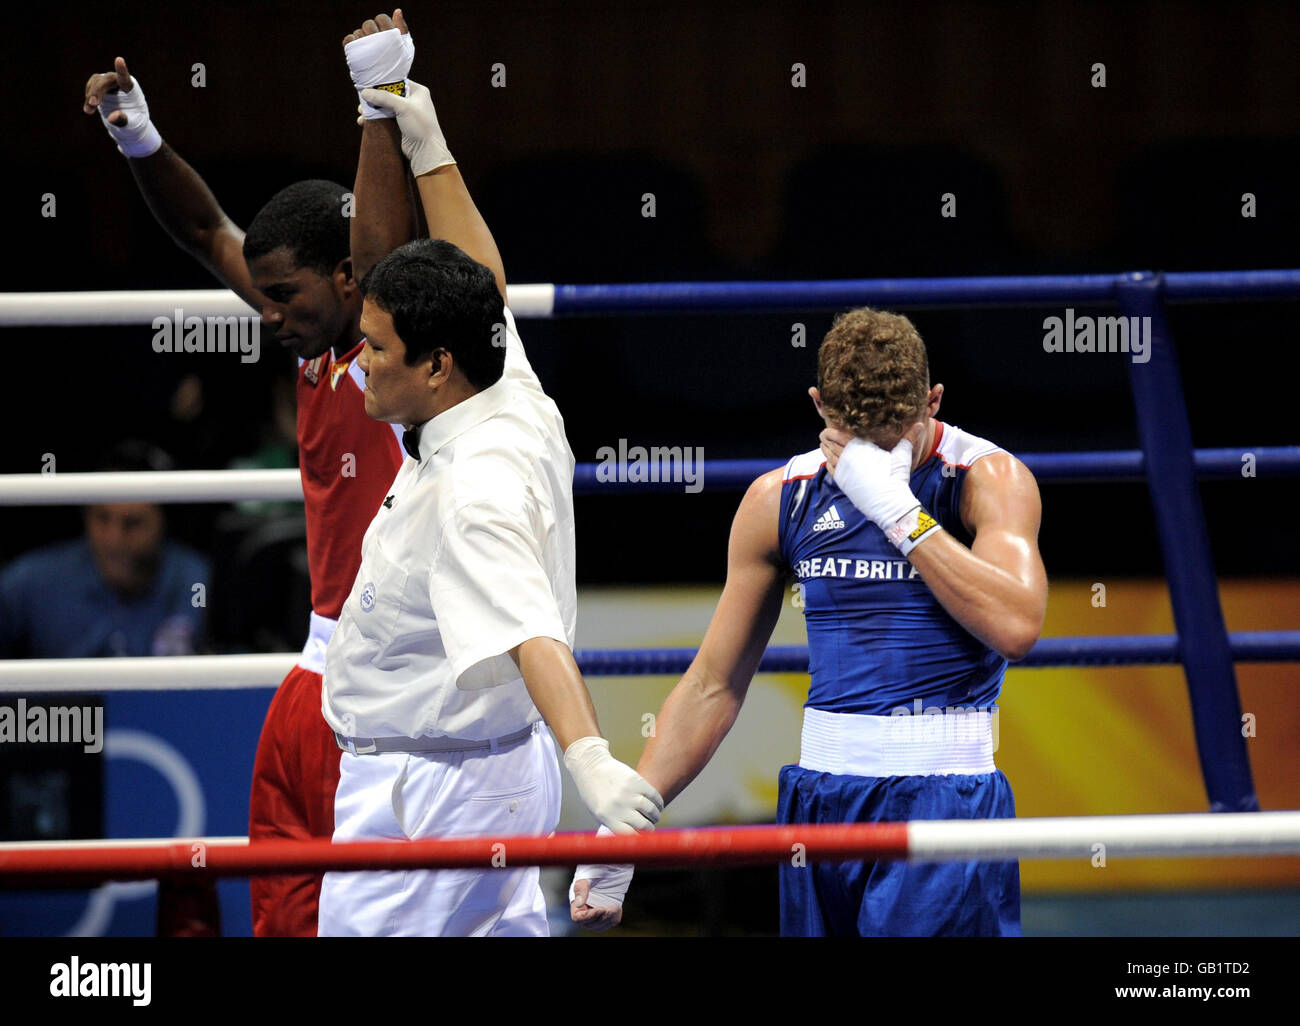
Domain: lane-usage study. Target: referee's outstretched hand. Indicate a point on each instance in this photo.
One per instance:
(423, 143)
(616, 794)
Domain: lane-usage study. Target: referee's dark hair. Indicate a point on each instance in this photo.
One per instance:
(440, 298)
(307, 218)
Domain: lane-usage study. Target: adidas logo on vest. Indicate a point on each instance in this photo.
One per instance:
(829, 521)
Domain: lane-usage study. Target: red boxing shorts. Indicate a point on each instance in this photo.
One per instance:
(295, 776)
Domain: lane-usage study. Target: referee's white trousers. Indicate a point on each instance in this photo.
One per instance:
(396, 795)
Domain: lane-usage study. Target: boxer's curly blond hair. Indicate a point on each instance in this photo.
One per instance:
(872, 372)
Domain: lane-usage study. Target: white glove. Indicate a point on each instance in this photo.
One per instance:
(877, 482)
(609, 883)
(422, 139)
(616, 794)
(138, 137)
(383, 60)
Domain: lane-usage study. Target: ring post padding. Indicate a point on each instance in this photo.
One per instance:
(1166, 437)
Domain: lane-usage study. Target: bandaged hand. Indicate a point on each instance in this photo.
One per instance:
(422, 139)
(123, 110)
(616, 794)
(597, 892)
(380, 60)
(877, 482)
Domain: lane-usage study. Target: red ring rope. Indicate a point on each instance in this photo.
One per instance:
(729, 845)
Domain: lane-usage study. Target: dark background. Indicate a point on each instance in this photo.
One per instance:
(753, 179)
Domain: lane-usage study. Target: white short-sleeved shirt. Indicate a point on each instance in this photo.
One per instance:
(471, 554)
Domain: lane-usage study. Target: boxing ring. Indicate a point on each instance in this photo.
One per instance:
(1166, 460)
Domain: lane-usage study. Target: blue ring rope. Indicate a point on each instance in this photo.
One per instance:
(1018, 290)
(1122, 465)
(1114, 650)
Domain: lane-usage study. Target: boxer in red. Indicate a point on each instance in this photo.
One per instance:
(298, 264)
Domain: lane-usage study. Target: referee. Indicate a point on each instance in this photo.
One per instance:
(453, 654)
(452, 662)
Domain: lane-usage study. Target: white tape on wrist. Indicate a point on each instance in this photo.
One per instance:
(609, 883)
(876, 480)
(381, 60)
(138, 137)
(914, 527)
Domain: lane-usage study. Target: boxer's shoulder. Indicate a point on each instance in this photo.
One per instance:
(960, 448)
(803, 466)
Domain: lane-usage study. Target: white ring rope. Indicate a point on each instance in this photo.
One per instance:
(149, 486)
(125, 842)
(1247, 833)
(82, 309)
(145, 673)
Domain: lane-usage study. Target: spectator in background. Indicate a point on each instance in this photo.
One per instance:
(123, 589)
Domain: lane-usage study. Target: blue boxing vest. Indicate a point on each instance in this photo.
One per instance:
(878, 639)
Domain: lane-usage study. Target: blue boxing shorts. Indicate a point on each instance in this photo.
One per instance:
(892, 898)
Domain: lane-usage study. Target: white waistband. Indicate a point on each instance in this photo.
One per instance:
(318, 640)
(935, 742)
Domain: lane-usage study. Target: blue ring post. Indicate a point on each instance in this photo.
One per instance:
(1166, 437)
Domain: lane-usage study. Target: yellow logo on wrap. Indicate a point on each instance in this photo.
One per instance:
(396, 88)
(923, 523)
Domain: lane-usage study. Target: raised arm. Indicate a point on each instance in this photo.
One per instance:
(178, 198)
(383, 215)
(701, 709)
(444, 197)
(452, 215)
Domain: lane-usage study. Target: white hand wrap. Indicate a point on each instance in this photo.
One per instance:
(422, 139)
(877, 482)
(616, 794)
(381, 60)
(138, 137)
(609, 883)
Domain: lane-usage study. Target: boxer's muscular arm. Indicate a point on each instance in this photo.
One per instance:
(383, 215)
(702, 707)
(997, 588)
(384, 212)
(181, 201)
(699, 712)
